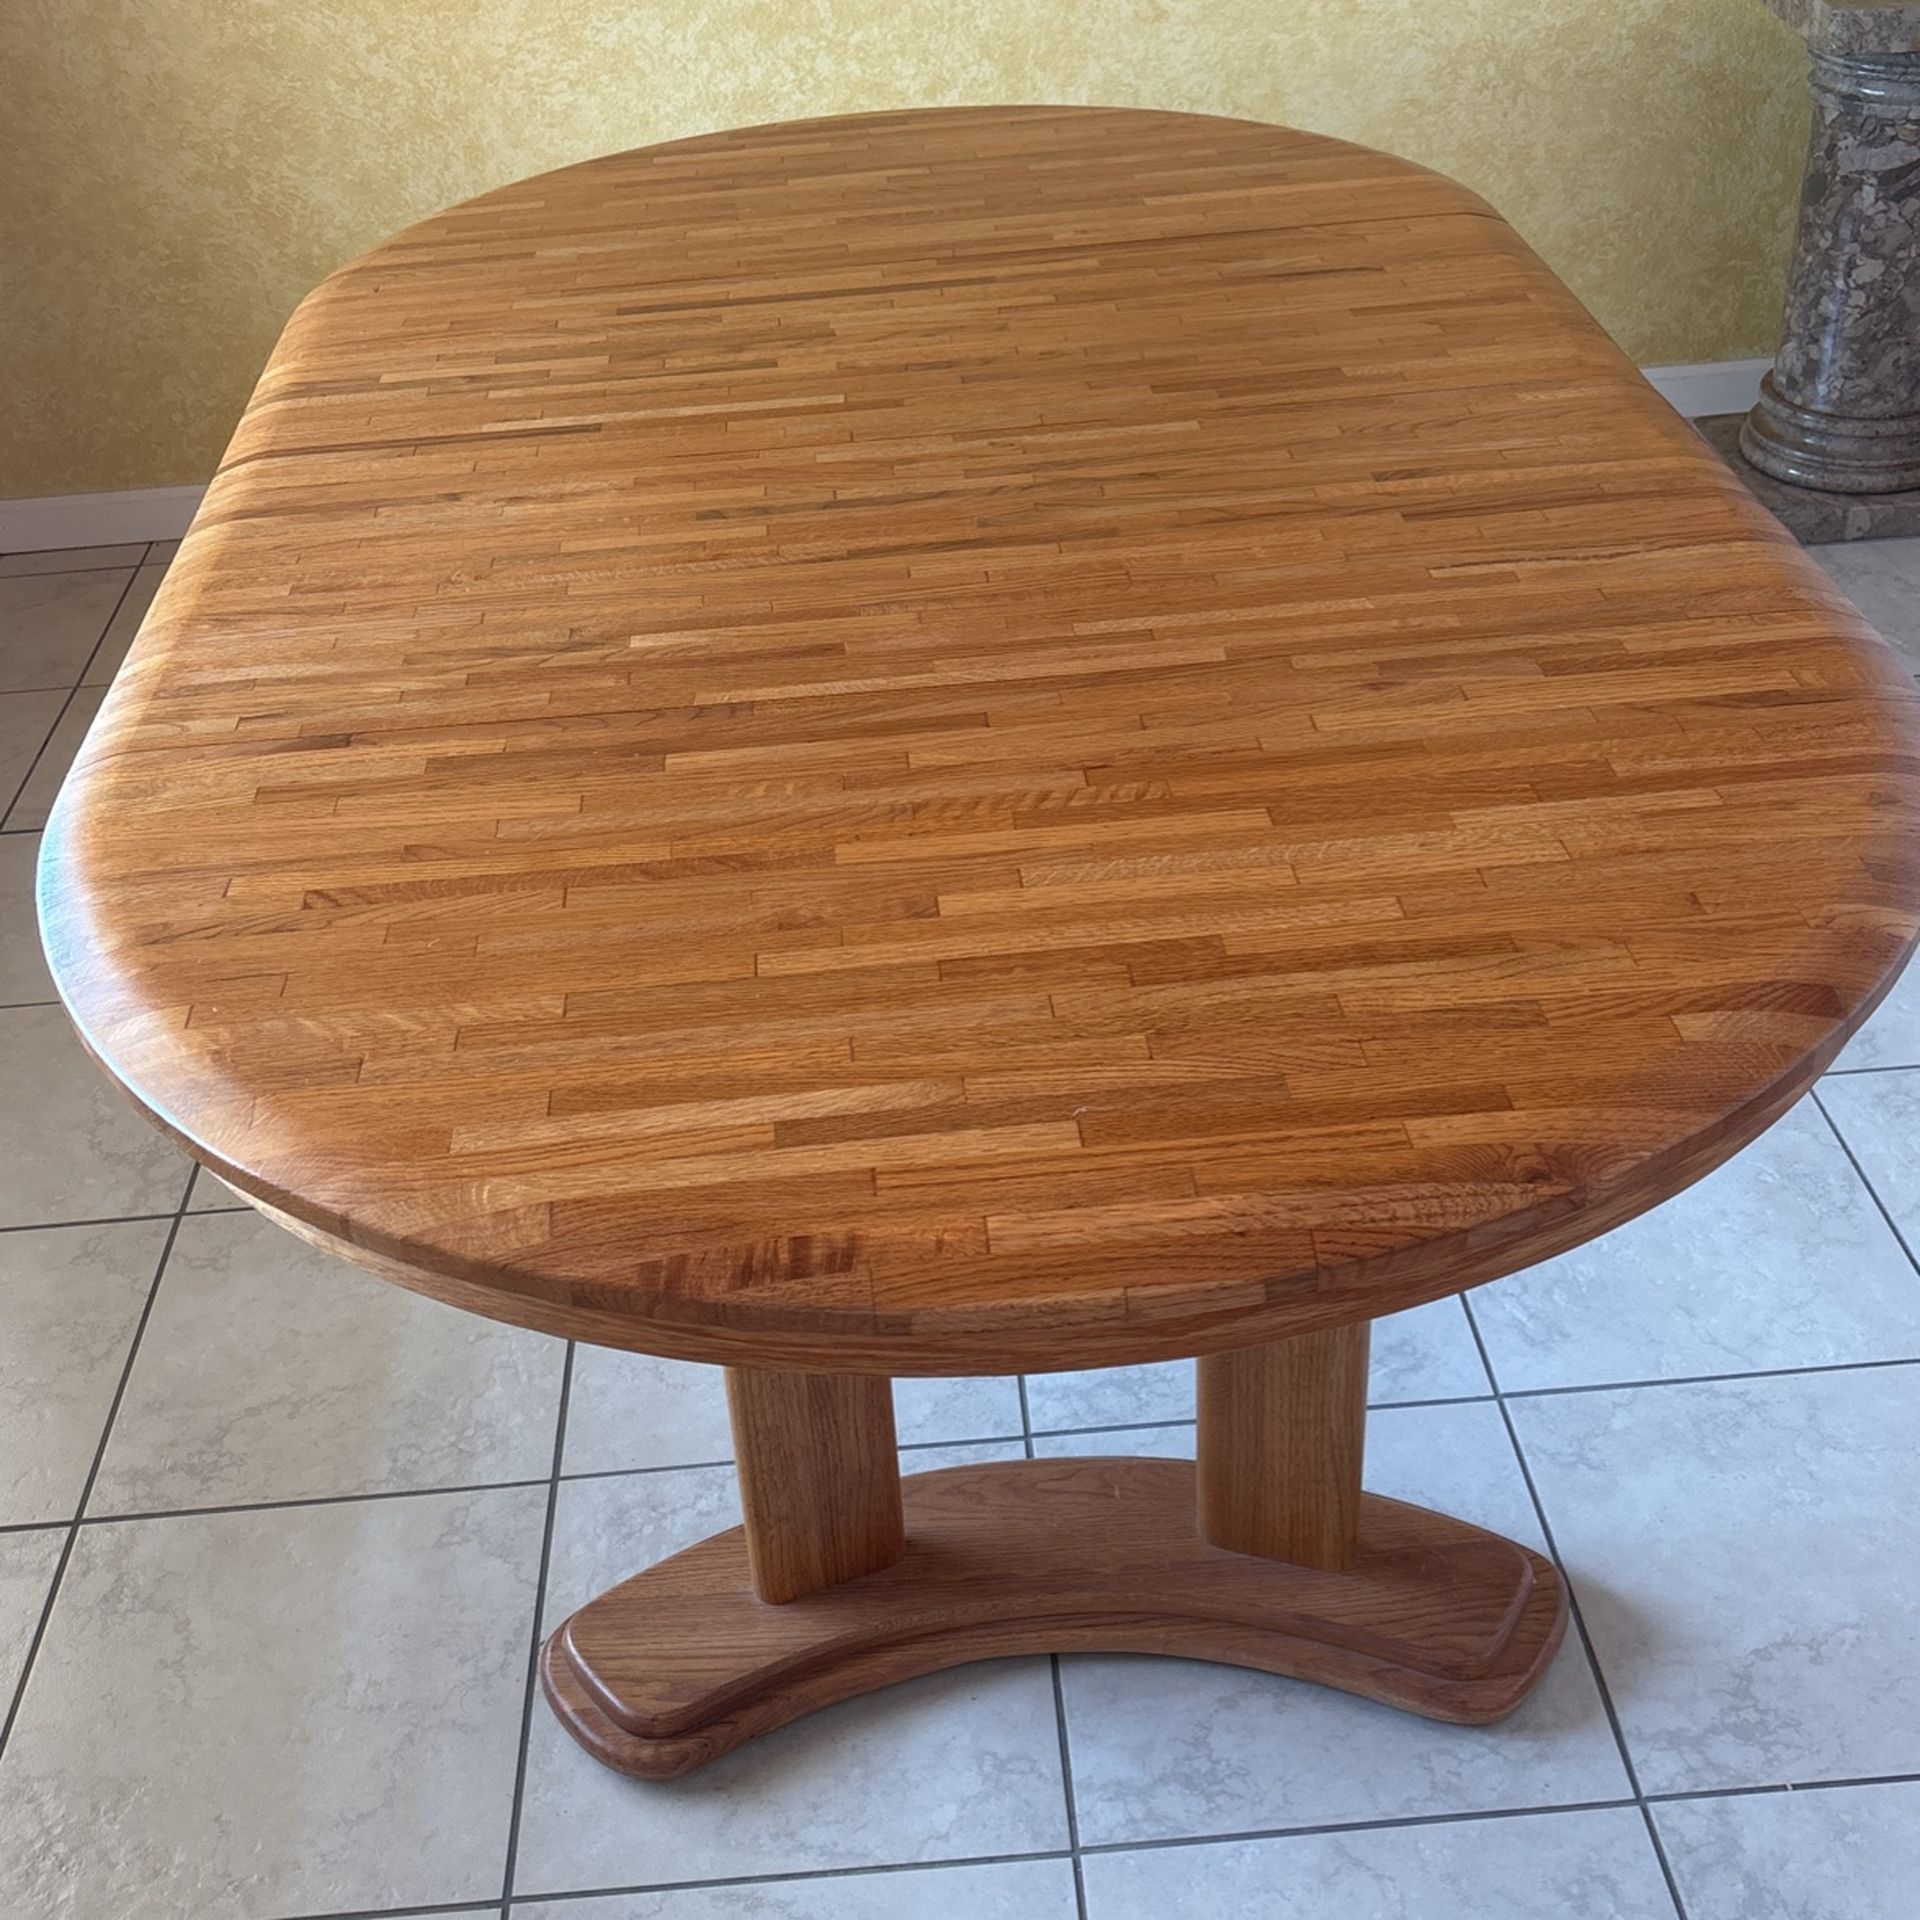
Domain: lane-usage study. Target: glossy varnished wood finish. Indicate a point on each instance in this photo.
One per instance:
(959, 741)
(819, 1477)
(1282, 1433)
(681, 1663)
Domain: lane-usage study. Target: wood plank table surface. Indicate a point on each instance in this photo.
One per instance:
(980, 740)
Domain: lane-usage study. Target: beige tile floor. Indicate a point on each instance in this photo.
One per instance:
(276, 1540)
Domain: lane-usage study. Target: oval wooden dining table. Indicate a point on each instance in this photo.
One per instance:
(974, 741)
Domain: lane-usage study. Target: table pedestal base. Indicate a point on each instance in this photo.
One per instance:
(686, 1660)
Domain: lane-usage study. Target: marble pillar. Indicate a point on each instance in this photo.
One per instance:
(1833, 446)
(1841, 409)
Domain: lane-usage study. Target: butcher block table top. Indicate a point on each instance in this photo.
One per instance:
(960, 741)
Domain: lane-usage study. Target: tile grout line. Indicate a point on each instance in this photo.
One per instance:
(1166, 1844)
(1873, 1192)
(872, 1870)
(1578, 1618)
(1170, 1843)
(401, 1913)
(366, 1498)
(1187, 1419)
(93, 1472)
(1059, 1705)
(66, 706)
(105, 1220)
(1391, 1824)
(89, 546)
(459, 1487)
(1544, 1393)
(140, 566)
(1785, 1786)
(59, 573)
(907, 1447)
(532, 1694)
(1706, 1379)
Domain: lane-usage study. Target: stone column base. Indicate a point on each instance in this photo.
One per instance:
(1813, 517)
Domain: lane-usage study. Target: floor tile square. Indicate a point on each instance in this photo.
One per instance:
(1004, 1890)
(77, 1150)
(610, 1527)
(25, 721)
(1110, 1396)
(1780, 1258)
(1595, 1864)
(42, 785)
(1426, 1353)
(273, 1371)
(627, 1410)
(1879, 577)
(305, 1710)
(1891, 1036)
(70, 1298)
(27, 1561)
(955, 1765)
(1878, 1116)
(1841, 1853)
(607, 1529)
(50, 624)
(23, 965)
(866, 1765)
(162, 551)
(123, 627)
(1743, 1550)
(72, 559)
(1169, 1749)
(211, 1194)
(932, 1412)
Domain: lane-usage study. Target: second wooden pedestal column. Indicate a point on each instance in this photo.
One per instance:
(1282, 1434)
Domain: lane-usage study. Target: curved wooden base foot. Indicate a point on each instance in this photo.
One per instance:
(682, 1663)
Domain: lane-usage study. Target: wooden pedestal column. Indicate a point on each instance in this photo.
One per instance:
(819, 1477)
(1282, 1430)
(845, 1578)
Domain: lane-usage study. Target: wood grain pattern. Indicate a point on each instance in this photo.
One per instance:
(972, 740)
(681, 1663)
(819, 1477)
(1282, 1434)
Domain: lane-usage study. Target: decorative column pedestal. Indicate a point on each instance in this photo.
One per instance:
(1833, 446)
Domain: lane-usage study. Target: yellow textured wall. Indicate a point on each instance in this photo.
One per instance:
(178, 172)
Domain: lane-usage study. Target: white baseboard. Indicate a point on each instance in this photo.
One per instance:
(96, 519)
(162, 513)
(1717, 386)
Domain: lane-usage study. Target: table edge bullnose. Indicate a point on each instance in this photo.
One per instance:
(1049, 1335)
